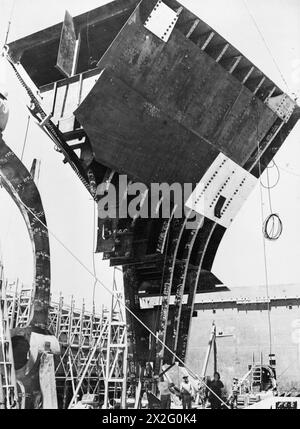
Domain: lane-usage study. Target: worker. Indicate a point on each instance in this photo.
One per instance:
(216, 391)
(111, 404)
(4, 112)
(204, 392)
(233, 400)
(164, 388)
(274, 386)
(144, 400)
(186, 390)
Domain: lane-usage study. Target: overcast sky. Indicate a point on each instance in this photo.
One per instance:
(69, 209)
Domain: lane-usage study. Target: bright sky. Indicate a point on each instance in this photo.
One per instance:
(69, 209)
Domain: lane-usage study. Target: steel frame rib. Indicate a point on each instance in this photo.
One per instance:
(22, 189)
(176, 230)
(181, 286)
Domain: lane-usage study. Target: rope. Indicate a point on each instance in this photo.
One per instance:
(25, 138)
(124, 305)
(264, 242)
(269, 189)
(271, 232)
(10, 21)
(268, 186)
(284, 371)
(266, 45)
(288, 171)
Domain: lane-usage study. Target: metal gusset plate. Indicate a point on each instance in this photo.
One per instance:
(162, 21)
(282, 105)
(224, 180)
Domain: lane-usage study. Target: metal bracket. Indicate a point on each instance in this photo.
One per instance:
(282, 105)
(46, 120)
(162, 20)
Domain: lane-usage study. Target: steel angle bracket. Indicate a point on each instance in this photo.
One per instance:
(162, 20)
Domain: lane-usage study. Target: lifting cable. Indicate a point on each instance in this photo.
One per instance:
(25, 138)
(288, 367)
(266, 45)
(266, 273)
(293, 173)
(272, 226)
(10, 21)
(264, 241)
(190, 371)
(268, 186)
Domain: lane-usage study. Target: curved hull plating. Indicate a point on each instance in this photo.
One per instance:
(29, 342)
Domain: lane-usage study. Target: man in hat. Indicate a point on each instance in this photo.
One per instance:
(186, 390)
(4, 113)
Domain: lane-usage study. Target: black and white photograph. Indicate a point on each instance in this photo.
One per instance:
(150, 208)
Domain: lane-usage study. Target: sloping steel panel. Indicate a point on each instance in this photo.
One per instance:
(132, 136)
(190, 86)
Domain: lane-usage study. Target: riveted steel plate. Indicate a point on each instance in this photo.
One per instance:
(224, 178)
(161, 21)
